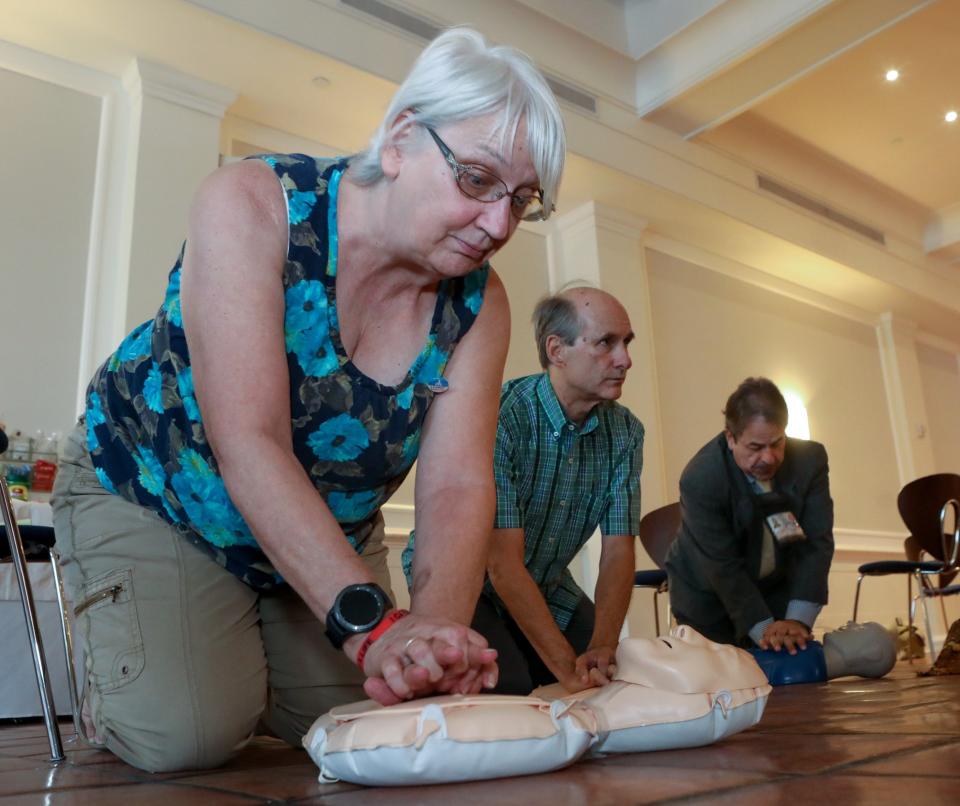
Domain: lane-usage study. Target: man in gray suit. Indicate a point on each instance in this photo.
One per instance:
(750, 563)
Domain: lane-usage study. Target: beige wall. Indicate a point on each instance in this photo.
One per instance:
(711, 331)
(940, 375)
(46, 191)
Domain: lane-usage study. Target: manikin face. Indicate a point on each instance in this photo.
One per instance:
(686, 662)
(594, 367)
(759, 449)
(436, 225)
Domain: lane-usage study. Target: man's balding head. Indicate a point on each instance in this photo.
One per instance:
(582, 337)
(562, 315)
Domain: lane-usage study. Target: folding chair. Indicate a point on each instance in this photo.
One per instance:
(658, 529)
(14, 539)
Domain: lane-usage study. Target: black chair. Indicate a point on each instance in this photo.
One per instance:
(944, 550)
(658, 529)
(923, 505)
(40, 542)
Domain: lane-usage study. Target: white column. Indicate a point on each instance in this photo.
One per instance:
(174, 129)
(604, 246)
(905, 401)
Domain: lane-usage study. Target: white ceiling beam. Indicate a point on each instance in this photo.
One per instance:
(650, 23)
(942, 237)
(601, 20)
(713, 43)
(733, 88)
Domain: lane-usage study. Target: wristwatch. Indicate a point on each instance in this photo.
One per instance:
(357, 609)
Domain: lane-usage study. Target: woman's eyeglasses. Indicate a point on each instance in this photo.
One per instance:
(478, 183)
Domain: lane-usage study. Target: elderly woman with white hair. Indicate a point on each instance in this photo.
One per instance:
(327, 323)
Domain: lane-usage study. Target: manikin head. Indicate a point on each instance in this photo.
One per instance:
(686, 662)
(866, 650)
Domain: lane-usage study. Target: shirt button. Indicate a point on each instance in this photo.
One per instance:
(570, 461)
(563, 503)
(556, 433)
(570, 428)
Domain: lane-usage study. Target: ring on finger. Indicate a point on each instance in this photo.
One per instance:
(406, 646)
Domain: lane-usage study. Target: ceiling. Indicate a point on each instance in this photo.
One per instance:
(812, 76)
(792, 89)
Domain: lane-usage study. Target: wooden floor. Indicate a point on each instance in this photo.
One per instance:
(895, 740)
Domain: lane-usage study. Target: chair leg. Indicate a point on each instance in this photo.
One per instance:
(910, 607)
(656, 611)
(926, 618)
(856, 597)
(67, 636)
(33, 627)
(943, 612)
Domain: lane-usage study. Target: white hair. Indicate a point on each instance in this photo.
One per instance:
(458, 77)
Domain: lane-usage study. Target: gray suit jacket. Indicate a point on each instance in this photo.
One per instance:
(714, 563)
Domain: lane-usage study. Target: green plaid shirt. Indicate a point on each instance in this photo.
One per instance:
(558, 482)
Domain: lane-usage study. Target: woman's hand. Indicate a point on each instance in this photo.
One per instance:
(420, 656)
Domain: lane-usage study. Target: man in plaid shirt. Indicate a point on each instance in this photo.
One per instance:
(567, 460)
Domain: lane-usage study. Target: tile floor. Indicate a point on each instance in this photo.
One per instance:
(895, 740)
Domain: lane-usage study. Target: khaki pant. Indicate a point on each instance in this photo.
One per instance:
(182, 658)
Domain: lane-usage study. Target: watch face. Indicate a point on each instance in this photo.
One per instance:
(361, 608)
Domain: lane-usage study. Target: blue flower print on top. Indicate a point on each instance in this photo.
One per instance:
(171, 304)
(152, 475)
(105, 481)
(434, 362)
(405, 398)
(339, 439)
(205, 499)
(94, 417)
(300, 204)
(137, 344)
(473, 286)
(410, 448)
(185, 387)
(153, 389)
(305, 328)
(94, 414)
(352, 507)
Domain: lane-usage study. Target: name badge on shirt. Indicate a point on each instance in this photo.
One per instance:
(781, 522)
(785, 527)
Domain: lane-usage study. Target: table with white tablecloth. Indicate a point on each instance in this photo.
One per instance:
(36, 512)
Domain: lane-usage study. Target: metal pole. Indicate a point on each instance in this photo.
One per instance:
(67, 640)
(33, 629)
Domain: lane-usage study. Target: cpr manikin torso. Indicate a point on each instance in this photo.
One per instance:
(865, 650)
(680, 691)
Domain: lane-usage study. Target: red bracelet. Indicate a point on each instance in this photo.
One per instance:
(377, 631)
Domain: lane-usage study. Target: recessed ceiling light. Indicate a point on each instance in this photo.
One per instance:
(951, 116)
(320, 82)
(893, 75)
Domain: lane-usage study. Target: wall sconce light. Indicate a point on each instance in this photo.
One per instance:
(798, 425)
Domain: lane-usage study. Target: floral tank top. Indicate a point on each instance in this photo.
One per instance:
(356, 438)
